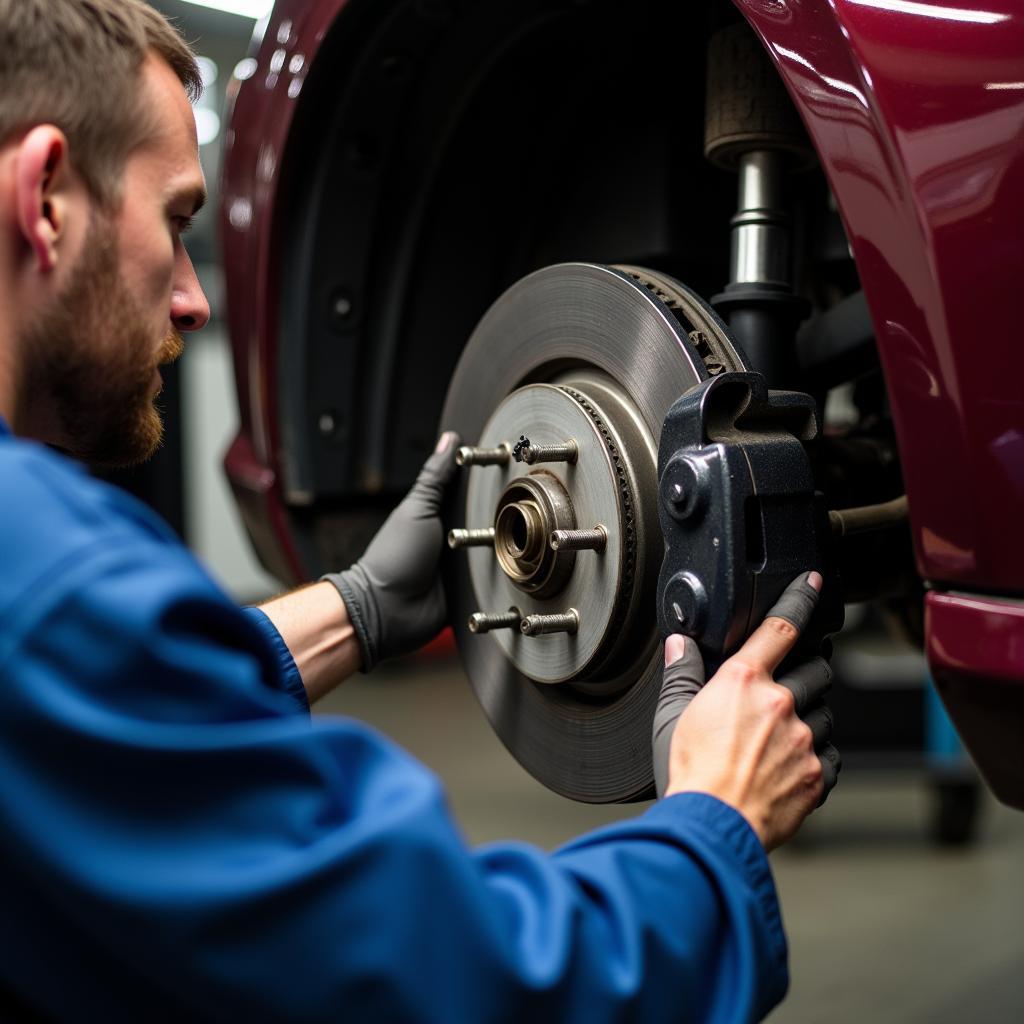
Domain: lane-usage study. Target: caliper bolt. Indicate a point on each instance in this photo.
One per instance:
(534, 453)
(563, 622)
(579, 540)
(471, 538)
(684, 485)
(482, 622)
(686, 603)
(468, 456)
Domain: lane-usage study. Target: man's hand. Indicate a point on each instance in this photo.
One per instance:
(741, 739)
(394, 595)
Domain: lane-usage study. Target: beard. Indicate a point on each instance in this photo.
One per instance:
(90, 359)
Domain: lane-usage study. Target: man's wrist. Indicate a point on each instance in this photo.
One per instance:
(360, 609)
(314, 622)
(755, 824)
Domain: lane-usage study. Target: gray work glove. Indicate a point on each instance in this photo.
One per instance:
(808, 681)
(393, 594)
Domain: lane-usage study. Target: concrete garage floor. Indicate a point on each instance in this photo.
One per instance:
(883, 926)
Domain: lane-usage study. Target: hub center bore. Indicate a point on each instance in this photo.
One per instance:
(529, 510)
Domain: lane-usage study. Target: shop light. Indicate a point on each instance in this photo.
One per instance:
(244, 8)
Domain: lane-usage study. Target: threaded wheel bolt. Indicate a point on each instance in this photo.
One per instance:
(471, 538)
(469, 456)
(579, 540)
(534, 453)
(563, 622)
(483, 622)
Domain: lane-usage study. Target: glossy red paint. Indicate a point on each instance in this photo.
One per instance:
(976, 653)
(977, 634)
(262, 107)
(254, 486)
(917, 111)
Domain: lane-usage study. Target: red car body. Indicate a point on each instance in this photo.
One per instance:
(916, 110)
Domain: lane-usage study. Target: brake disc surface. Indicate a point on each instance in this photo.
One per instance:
(593, 355)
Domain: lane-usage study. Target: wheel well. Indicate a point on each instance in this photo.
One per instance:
(439, 153)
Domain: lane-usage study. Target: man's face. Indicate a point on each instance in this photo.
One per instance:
(94, 353)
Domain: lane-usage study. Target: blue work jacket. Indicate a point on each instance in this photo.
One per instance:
(180, 841)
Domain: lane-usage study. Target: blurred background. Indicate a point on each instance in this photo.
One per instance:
(903, 897)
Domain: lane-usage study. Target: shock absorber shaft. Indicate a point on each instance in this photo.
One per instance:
(752, 128)
(760, 229)
(759, 302)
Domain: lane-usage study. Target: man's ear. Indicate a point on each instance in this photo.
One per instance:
(43, 174)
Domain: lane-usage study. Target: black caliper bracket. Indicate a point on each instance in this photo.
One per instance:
(739, 512)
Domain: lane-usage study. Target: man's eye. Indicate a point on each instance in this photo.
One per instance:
(183, 224)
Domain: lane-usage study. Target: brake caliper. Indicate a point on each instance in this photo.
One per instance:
(739, 513)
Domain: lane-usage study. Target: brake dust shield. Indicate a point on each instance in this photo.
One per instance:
(579, 363)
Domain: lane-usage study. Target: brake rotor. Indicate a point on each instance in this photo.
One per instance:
(585, 360)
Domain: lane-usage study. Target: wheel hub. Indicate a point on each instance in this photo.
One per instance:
(573, 369)
(527, 505)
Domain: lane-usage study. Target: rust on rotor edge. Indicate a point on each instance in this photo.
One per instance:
(714, 362)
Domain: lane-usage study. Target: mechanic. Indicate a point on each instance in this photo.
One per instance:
(180, 840)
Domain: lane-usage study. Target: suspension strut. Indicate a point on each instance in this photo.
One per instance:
(752, 128)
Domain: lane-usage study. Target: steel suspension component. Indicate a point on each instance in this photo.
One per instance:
(752, 128)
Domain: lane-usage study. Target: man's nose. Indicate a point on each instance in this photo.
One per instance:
(189, 309)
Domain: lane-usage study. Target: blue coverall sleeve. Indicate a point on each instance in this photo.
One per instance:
(178, 844)
(288, 679)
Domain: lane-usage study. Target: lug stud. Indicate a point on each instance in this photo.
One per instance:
(471, 538)
(469, 456)
(579, 540)
(482, 622)
(563, 622)
(534, 453)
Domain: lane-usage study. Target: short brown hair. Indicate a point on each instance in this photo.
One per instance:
(76, 64)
